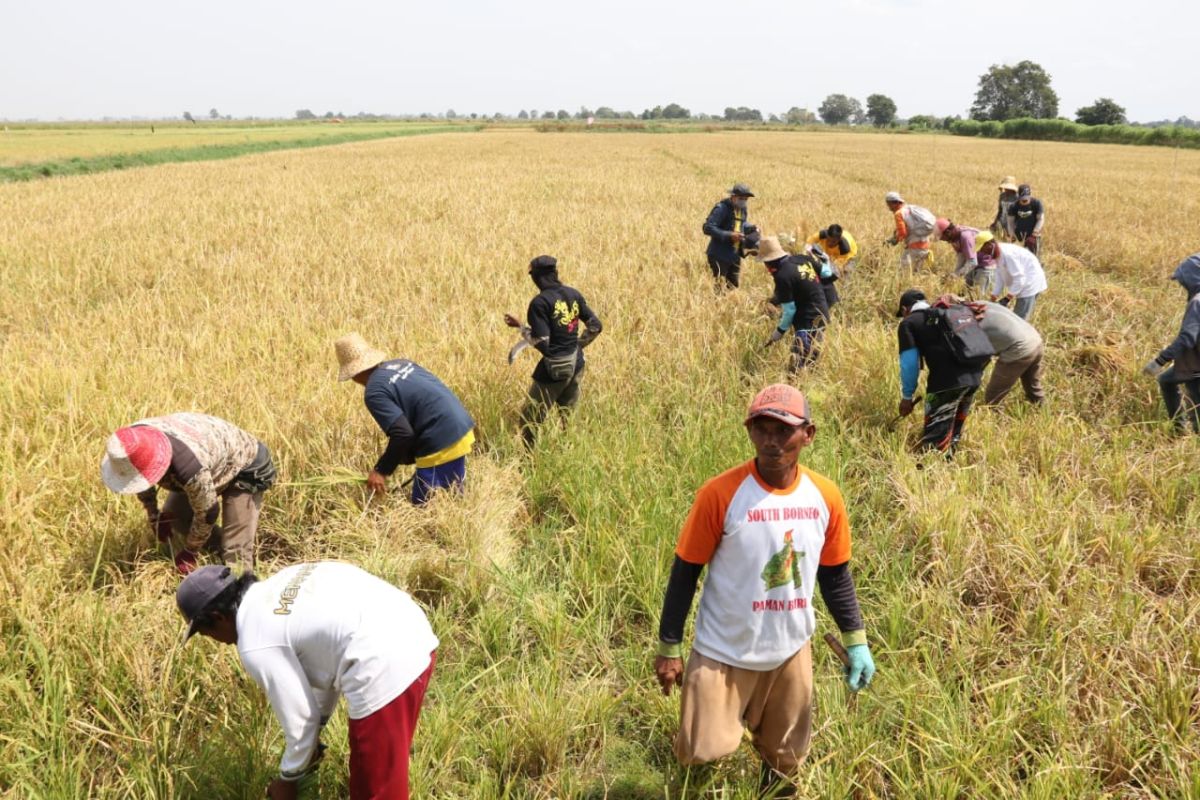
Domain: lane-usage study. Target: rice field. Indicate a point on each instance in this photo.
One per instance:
(1032, 608)
(22, 144)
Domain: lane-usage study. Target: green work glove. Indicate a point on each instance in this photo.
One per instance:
(862, 667)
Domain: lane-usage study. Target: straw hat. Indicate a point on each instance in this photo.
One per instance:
(1009, 184)
(135, 458)
(770, 250)
(354, 355)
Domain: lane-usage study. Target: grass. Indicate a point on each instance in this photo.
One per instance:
(125, 149)
(1032, 608)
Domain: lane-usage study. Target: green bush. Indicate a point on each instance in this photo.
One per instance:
(1063, 130)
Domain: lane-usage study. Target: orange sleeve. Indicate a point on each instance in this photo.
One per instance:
(901, 228)
(705, 524)
(836, 549)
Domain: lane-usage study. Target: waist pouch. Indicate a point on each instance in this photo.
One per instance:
(562, 368)
(260, 475)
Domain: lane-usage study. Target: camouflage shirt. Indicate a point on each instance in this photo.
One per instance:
(207, 453)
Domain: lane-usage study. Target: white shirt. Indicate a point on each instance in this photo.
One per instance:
(312, 631)
(762, 546)
(1019, 271)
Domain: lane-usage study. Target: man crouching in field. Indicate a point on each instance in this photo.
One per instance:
(310, 632)
(768, 530)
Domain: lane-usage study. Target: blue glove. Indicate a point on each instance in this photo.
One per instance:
(861, 669)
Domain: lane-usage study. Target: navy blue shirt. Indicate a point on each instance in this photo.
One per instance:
(400, 388)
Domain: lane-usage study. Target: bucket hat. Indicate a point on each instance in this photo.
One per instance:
(769, 249)
(135, 458)
(1009, 184)
(354, 355)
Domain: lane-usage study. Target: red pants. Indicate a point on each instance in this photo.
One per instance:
(380, 745)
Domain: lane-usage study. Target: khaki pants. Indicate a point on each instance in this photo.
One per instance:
(234, 537)
(1006, 373)
(914, 258)
(719, 700)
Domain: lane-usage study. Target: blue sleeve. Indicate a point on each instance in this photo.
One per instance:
(713, 225)
(910, 371)
(383, 408)
(1189, 334)
(789, 313)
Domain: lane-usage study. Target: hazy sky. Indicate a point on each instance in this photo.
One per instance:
(158, 58)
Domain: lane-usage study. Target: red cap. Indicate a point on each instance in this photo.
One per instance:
(782, 402)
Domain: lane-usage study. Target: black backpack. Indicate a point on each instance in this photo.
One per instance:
(964, 338)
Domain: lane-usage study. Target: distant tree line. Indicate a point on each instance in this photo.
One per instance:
(1020, 91)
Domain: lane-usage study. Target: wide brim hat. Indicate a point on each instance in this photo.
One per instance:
(1009, 184)
(769, 249)
(135, 458)
(354, 355)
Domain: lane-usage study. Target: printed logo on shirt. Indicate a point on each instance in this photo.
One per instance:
(402, 373)
(288, 595)
(567, 316)
(783, 568)
(782, 514)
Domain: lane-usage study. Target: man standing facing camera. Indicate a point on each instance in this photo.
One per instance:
(768, 530)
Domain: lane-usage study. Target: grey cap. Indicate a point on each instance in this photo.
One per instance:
(741, 190)
(199, 589)
(893, 197)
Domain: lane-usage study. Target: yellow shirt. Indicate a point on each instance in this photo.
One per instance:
(830, 246)
(448, 454)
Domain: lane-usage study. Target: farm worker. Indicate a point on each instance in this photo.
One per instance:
(1019, 275)
(725, 229)
(425, 423)
(914, 227)
(309, 633)
(769, 530)
(827, 273)
(554, 316)
(1183, 354)
(950, 386)
(840, 246)
(1025, 219)
(210, 468)
(801, 300)
(964, 240)
(1019, 349)
(1008, 196)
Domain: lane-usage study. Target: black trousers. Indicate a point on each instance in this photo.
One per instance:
(731, 271)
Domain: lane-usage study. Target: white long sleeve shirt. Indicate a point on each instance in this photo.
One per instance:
(1018, 271)
(313, 631)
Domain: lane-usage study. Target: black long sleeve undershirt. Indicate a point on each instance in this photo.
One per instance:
(401, 440)
(681, 590)
(836, 583)
(837, 590)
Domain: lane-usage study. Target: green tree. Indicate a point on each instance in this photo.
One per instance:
(564, 114)
(1009, 92)
(523, 114)
(676, 111)
(214, 114)
(604, 112)
(1104, 111)
(305, 113)
(799, 116)
(919, 121)
(838, 109)
(451, 115)
(881, 110)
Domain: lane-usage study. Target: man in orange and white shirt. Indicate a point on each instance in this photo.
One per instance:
(768, 530)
